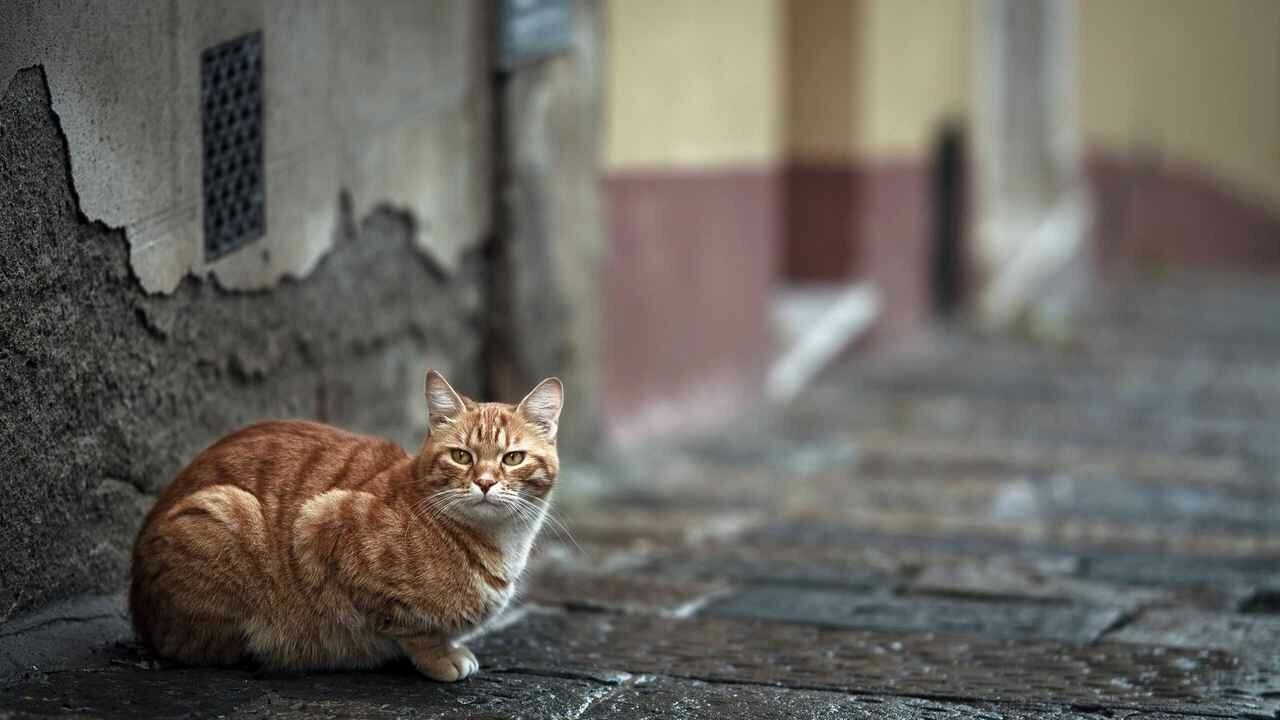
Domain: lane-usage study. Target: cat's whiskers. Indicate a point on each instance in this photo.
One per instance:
(523, 506)
(525, 512)
(438, 505)
(563, 530)
(538, 506)
(432, 503)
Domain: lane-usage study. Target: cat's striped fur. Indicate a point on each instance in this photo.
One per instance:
(300, 545)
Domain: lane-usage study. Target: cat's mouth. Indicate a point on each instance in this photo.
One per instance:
(488, 509)
(489, 503)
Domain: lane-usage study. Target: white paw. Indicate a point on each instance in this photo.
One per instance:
(456, 663)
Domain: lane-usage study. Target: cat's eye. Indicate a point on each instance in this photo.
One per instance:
(513, 458)
(462, 457)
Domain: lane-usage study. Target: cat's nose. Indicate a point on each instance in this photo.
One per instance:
(486, 481)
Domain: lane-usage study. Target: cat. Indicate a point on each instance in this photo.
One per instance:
(298, 545)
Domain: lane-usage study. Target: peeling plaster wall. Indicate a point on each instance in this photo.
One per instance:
(390, 106)
(108, 390)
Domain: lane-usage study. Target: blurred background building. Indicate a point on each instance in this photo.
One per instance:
(216, 212)
(986, 154)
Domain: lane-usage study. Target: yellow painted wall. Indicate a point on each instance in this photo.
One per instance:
(1196, 81)
(822, 44)
(745, 82)
(874, 78)
(913, 71)
(693, 83)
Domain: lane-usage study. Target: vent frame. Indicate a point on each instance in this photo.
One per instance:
(234, 187)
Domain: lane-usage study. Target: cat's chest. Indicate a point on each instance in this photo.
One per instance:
(513, 557)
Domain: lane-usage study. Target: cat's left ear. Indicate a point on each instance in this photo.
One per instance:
(443, 402)
(542, 406)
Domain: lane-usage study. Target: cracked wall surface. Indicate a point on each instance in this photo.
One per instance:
(391, 106)
(108, 390)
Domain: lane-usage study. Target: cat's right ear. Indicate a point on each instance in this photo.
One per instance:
(444, 404)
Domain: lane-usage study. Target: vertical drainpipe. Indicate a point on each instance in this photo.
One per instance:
(500, 372)
(1033, 214)
(948, 176)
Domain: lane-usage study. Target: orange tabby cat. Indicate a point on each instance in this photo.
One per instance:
(300, 545)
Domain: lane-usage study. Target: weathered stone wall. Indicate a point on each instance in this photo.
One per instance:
(548, 259)
(388, 103)
(107, 391)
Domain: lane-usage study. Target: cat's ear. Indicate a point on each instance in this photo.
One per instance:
(443, 402)
(542, 406)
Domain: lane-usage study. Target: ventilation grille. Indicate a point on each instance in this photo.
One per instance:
(235, 203)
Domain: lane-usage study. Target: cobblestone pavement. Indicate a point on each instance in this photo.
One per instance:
(969, 529)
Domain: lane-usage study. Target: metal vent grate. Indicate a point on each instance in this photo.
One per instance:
(235, 205)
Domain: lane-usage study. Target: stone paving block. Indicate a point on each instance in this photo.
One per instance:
(593, 542)
(662, 698)
(397, 692)
(1208, 581)
(1039, 499)
(1234, 575)
(65, 635)
(850, 568)
(931, 455)
(1101, 424)
(885, 564)
(131, 693)
(578, 554)
(991, 620)
(1178, 509)
(783, 450)
(1226, 343)
(746, 491)
(654, 697)
(1253, 636)
(945, 460)
(620, 592)
(661, 527)
(1116, 386)
(1263, 599)
(841, 496)
(1074, 535)
(1106, 675)
(1007, 579)
(918, 549)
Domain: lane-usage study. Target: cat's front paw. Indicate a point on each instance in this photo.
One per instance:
(453, 662)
